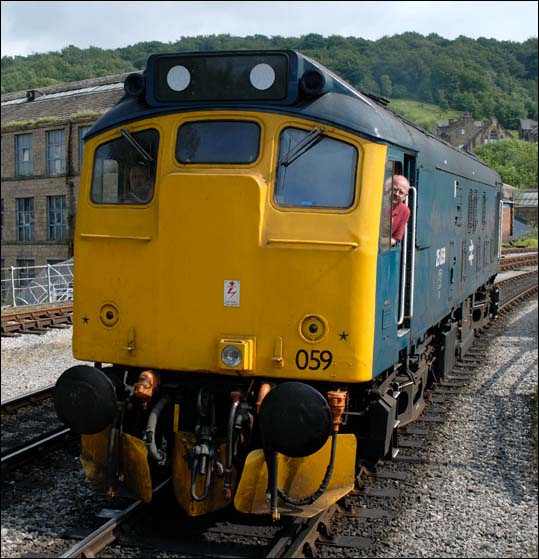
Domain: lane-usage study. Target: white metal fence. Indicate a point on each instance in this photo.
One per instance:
(35, 285)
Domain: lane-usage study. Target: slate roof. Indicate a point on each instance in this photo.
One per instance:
(63, 100)
(526, 199)
(527, 124)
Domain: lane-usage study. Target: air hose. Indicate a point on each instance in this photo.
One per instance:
(323, 486)
(149, 435)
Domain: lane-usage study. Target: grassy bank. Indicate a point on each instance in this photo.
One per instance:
(425, 115)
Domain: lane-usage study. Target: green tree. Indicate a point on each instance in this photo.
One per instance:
(484, 76)
(515, 161)
(386, 87)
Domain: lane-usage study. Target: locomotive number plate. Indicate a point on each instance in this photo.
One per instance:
(314, 359)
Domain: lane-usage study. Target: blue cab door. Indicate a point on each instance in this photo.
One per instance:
(388, 342)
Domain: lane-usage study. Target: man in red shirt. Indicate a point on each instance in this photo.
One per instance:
(401, 212)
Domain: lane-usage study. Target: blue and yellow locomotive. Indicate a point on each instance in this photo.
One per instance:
(256, 335)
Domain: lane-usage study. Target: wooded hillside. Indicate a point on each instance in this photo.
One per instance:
(484, 76)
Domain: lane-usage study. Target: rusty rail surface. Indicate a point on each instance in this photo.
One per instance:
(515, 261)
(516, 250)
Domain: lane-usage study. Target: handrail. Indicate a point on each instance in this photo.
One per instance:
(412, 283)
(403, 278)
(403, 265)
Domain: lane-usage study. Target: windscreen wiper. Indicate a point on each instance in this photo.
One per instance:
(127, 135)
(312, 138)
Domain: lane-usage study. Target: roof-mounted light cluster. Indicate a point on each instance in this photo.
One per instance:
(235, 77)
(232, 77)
(218, 76)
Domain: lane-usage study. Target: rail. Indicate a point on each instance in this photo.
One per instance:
(106, 534)
(24, 452)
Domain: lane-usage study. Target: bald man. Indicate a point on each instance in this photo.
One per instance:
(401, 212)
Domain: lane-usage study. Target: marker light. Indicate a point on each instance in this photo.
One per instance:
(178, 78)
(262, 76)
(312, 82)
(313, 328)
(231, 356)
(134, 85)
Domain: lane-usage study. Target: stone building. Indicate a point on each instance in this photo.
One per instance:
(528, 130)
(467, 134)
(41, 151)
(526, 206)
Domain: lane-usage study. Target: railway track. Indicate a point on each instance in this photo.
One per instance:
(371, 505)
(12, 405)
(517, 250)
(21, 445)
(36, 320)
(513, 262)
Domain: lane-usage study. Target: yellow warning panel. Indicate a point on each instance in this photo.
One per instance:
(298, 478)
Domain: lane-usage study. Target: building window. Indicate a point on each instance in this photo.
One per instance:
(25, 218)
(56, 223)
(23, 155)
(56, 161)
(82, 132)
(25, 273)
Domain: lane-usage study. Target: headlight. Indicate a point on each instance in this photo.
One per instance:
(231, 356)
(236, 354)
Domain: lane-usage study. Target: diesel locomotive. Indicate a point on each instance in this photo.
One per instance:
(255, 334)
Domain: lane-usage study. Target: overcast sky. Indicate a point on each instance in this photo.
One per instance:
(29, 27)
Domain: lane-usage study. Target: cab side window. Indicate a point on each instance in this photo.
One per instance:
(315, 171)
(392, 168)
(124, 169)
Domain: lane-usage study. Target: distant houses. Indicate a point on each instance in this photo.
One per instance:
(467, 133)
(528, 130)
